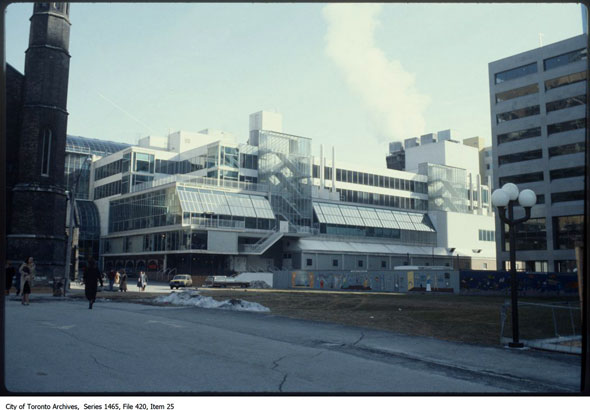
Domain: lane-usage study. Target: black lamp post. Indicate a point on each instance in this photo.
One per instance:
(508, 196)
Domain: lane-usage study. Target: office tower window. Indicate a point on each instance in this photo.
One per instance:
(360, 263)
(515, 73)
(568, 231)
(517, 114)
(144, 162)
(309, 262)
(566, 173)
(565, 103)
(522, 178)
(517, 92)
(519, 135)
(565, 80)
(566, 126)
(563, 59)
(316, 171)
(485, 235)
(567, 149)
(335, 263)
(383, 264)
(531, 235)
(567, 196)
(520, 157)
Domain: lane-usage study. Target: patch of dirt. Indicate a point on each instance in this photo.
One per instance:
(471, 319)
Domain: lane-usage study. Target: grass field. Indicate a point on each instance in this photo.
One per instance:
(471, 319)
(461, 318)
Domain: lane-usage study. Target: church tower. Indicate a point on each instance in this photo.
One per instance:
(37, 226)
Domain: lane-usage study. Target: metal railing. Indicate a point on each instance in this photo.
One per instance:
(189, 180)
(215, 223)
(263, 243)
(548, 322)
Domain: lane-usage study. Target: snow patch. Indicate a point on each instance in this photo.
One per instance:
(192, 298)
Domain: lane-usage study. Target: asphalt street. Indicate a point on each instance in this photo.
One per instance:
(57, 345)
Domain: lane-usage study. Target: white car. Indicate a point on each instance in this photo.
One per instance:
(179, 281)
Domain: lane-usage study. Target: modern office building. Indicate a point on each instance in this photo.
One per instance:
(458, 199)
(202, 203)
(538, 115)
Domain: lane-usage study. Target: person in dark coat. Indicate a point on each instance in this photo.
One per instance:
(91, 277)
(123, 282)
(10, 272)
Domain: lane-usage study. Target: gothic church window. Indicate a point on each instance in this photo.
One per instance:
(46, 152)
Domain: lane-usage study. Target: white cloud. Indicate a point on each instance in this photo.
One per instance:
(394, 106)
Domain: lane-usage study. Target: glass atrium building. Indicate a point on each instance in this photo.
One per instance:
(202, 204)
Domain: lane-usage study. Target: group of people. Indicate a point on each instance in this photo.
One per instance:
(24, 278)
(117, 278)
(92, 276)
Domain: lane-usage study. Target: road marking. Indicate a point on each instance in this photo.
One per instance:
(54, 326)
(164, 323)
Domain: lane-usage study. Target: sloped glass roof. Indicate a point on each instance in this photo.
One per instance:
(89, 221)
(201, 201)
(94, 146)
(331, 213)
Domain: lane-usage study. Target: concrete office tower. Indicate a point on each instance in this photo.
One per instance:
(538, 116)
(584, 18)
(38, 196)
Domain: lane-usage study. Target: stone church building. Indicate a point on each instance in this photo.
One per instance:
(36, 123)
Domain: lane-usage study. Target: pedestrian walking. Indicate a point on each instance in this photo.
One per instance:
(27, 274)
(141, 281)
(123, 282)
(117, 277)
(91, 277)
(111, 277)
(10, 272)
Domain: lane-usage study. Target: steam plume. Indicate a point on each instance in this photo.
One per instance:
(387, 91)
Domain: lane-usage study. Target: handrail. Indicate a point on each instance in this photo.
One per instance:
(192, 180)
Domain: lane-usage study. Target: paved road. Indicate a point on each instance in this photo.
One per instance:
(61, 346)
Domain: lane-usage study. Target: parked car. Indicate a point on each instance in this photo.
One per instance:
(179, 281)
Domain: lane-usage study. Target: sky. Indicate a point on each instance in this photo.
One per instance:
(352, 76)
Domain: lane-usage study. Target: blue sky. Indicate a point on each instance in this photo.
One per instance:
(355, 76)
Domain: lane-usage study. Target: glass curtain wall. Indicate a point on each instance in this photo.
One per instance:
(447, 189)
(284, 164)
(152, 209)
(74, 166)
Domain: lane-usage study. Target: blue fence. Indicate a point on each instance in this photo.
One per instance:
(473, 281)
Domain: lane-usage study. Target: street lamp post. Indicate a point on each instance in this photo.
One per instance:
(508, 196)
(71, 225)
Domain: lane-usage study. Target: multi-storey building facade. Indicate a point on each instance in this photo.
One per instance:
(538, 115)
(201, 203)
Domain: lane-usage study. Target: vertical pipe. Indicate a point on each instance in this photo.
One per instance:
(333, 171)
(321, 166)
(471, 191)
(479, 198)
